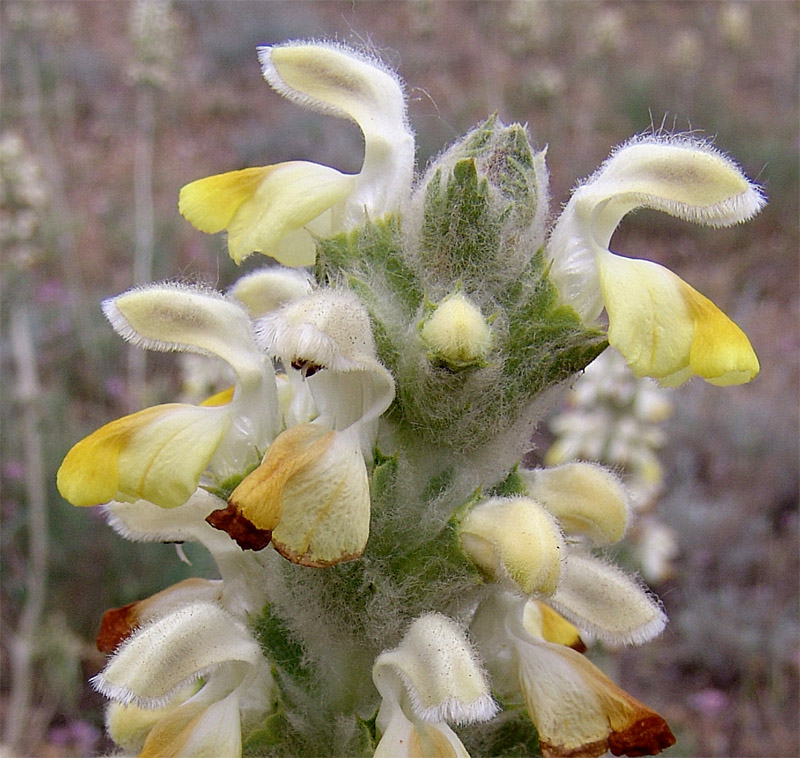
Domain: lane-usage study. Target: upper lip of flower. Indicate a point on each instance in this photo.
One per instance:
(310, 495)
(662, 326)
(276, 209)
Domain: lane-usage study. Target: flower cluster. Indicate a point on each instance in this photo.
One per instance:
(391, 582)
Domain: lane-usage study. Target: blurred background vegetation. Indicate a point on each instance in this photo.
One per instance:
(110, 107)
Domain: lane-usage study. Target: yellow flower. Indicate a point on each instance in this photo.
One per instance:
(539, 545)
(433, 676)
(663, 327)
(157, 669)
(576, 709)
(279, 210)
(457, 333)
(159, 454)
(515, 540)
(310, 495)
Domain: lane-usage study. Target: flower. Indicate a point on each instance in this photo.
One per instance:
(160, 454)
(310, 495)
(539, 544)
(576, 709)
(593, 508)
(279, 210)
(663, 327)
(158, 667)
(433, 676)
(243, 588)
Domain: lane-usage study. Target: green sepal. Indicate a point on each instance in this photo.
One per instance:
(459, 231)
(273, 732)
(373, 255)
(512, 485)
(281, 648)
(224, 488)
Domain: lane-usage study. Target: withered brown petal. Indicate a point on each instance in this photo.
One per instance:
(648, 736)
(116, 626)
(241, 530)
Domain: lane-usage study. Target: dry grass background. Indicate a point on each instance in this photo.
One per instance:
(584, 76)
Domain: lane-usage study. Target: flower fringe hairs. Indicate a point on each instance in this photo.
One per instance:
(392, 582)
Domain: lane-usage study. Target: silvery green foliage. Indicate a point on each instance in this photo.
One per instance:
(475, 225)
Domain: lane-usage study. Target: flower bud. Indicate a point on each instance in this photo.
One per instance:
(515, 539)
(456, 333)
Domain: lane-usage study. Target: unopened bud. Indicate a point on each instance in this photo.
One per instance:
(515, 539)
(456, 333)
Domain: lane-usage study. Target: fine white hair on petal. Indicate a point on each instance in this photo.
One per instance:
(728, 210)
(328, 328)
(142, 521)
(277, 82)
(452, 710)
(267, 289)
(122, 327)
(124, 696)
(439, 671)
(171, 316)
(174, 650)
(606, 603)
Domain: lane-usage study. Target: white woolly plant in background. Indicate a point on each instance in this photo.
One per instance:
(392, 583)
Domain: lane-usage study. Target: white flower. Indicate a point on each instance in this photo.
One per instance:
(157, 667)
(433, 676)
(576, 709)
(310, 495)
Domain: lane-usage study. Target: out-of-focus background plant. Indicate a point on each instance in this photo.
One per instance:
(109, 108)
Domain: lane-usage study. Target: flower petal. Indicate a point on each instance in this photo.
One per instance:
(555, 628)
(668, 330)
(178, 317)
(331, 329)
(197, 729)
(263, 206)
(343, 82)
(326, 505)
(326, 329)
(118, 624)
(677, 175)
(157, 454)
(602, 600)
(584, 497)
(404, 738)
(436, 668)
(338, 80)
(515, 539)
(173, 651)
(267, 289)
(129, 725)
(577, 710)
(256, 506)
(456, 333)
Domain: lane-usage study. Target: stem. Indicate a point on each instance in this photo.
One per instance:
(62, 239)
(18, 723)
(144, 225)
